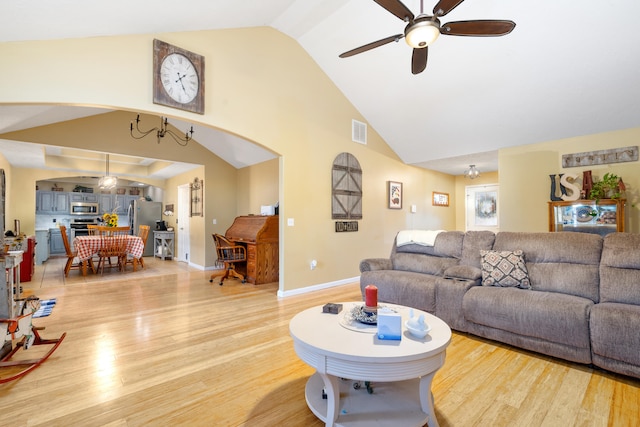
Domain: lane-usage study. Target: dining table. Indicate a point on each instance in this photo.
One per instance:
(88, 246)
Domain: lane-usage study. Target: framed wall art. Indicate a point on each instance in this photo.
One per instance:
(440, 199)
(394, 192)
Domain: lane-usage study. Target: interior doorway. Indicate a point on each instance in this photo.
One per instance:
(481, 207)
(183, 222)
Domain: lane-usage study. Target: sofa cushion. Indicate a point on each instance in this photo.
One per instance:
(564, 262)
(547, 316)
(447, 244)
(463, 272)
(402, 287)
(505, 269)
(426, 264)
(473, 243)
(417, 237)
(620, 269)
(614, 332)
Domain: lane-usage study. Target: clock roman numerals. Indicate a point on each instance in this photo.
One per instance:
(178, 78)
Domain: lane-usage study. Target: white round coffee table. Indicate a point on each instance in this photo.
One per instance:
(400, 372)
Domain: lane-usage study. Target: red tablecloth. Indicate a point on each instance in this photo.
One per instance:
(87, 246)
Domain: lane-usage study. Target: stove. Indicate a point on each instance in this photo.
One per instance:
(79, 225)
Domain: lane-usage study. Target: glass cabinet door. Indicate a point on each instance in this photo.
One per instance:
(586, 216)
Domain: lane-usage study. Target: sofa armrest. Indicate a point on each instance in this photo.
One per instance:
(373, 264)
(465, 272)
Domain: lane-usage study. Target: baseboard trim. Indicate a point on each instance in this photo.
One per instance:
(317, 287)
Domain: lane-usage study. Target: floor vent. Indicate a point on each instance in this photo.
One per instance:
(358, 132)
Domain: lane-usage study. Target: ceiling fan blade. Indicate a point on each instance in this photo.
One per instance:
(445, 6)
(486, 28)
(419, 60)
(397, 8)
(371, 45)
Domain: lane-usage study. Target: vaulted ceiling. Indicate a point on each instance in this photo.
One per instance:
(569, 68)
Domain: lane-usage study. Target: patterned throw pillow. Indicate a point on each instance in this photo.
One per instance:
(504, 268)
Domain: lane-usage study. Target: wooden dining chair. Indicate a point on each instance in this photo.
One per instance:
(72, 255)
(229, 254)
(143, 233)
(92, 229)
(103, 230)
(114, 246)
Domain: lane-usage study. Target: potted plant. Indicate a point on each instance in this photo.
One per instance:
(609, 187)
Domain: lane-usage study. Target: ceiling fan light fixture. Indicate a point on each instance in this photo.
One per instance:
(422, 32)
(472, 172)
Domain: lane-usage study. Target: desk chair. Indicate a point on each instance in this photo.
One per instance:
(72, 256)
(229, 254)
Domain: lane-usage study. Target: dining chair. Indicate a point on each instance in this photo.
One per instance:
(92, 229)
(143, 233)
(114, 246)
(72, 256)
(103, 230)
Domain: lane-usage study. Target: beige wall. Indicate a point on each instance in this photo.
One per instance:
(485, 178)
(258, 185)
(201, 251)
(525, 185)
(276, 97)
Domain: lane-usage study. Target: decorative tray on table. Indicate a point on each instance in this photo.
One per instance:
(357, 319)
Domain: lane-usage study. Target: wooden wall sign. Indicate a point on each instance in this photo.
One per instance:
(601, 157)
(345, 226)
(346, 187)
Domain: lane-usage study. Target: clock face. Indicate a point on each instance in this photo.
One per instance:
(179, 78)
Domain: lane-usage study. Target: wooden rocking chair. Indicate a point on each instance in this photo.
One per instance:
(20, 328)
(229, 254)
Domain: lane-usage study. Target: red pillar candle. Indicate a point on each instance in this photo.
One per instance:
(371, 296)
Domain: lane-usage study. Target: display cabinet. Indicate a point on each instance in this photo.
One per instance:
(588, 216)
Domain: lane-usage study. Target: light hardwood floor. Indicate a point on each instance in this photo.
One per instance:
(164, 347)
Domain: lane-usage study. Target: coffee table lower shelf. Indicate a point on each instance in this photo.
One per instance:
(392, 404)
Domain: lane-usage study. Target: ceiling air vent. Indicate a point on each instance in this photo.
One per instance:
(358, 132)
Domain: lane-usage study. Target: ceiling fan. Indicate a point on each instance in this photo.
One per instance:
(423, 30)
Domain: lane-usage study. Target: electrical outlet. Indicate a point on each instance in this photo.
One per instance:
(313, 264)
(215, 221)
(290, 222)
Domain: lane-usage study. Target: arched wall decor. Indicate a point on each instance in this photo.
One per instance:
(346, 187)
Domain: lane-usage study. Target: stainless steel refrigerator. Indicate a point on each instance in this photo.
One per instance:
(142, 212)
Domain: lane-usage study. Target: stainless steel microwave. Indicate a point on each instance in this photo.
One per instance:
(82, 208)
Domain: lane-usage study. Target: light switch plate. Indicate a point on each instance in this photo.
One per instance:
(290, 222)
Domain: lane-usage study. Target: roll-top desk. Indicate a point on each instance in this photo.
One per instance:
(260, 236)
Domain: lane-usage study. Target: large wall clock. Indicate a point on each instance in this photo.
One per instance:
(178, 77)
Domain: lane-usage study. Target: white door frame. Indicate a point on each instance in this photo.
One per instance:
(481, 207)
(183, 222)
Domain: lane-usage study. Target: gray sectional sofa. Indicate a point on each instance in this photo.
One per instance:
(579, 301)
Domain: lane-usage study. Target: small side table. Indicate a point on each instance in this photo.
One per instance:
(163, 244)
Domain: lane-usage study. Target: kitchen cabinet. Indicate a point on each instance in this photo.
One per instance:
(52, 202)
(122, 202)
(83, 197)
(56, 245)
(42, 246)
(106, 203)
